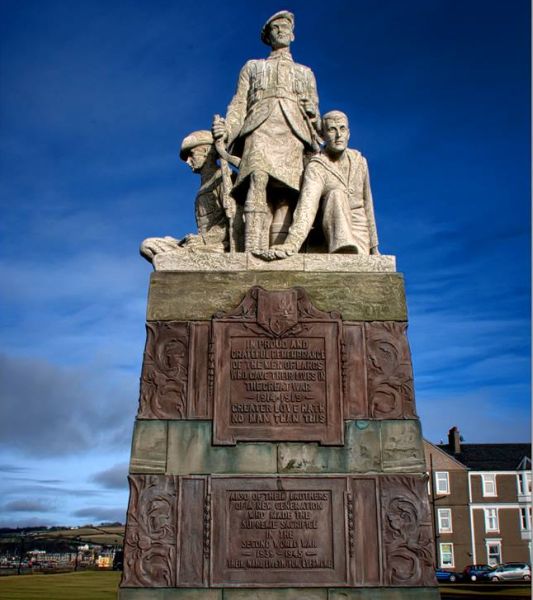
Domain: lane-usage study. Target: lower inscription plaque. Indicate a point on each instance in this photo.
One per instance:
(279, 530)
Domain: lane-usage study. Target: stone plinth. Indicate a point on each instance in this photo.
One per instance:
(277, 454)
(244, 261)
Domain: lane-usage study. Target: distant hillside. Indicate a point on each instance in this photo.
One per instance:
(60, 539)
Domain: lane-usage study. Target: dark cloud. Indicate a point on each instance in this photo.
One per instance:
(12, 469)
(55, 490)
(27, 506)
(98, 514)
(35, 481)
(66, 410)
(27, 522)
(114, 478)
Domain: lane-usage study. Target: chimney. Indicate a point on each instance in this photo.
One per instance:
(454, 440)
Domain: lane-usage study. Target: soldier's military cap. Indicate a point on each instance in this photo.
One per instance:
(282, 14)
(196, 138)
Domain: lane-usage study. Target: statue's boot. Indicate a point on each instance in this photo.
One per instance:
(257, 217)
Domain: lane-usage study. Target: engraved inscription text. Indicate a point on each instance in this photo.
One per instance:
(278, 381)
(280, 529)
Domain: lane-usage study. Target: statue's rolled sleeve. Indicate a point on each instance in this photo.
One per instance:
(369, 209)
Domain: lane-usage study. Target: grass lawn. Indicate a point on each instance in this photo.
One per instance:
(103, 585)
(85, 585)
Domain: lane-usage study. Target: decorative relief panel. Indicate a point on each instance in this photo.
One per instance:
(389, 371)
(407, 531)
(165, 371)
(289, 363)
(276, 370)
(150, 544)
(175, 369)
(277, 531)
(354, 371)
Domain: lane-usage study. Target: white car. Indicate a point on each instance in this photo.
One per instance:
(510, 571)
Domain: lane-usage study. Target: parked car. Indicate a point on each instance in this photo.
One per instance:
(444, 576)
(510, 571)
(118, 561)
(477, 572)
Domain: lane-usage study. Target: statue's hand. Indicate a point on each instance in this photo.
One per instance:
(276, 252)
(308, 107)
(219, 128)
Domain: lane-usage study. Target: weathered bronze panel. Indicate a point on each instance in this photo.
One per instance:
(198, 405)
(276, 371)
(165, 371)
(277, 531)
(354, 372)
(175, 371)
(150, 543)
(193, 505)
(366, 546)
(389, 371)
(407, 531)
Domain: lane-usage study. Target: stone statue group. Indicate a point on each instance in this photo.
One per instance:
(298, 187)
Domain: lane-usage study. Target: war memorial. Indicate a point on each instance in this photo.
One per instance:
(277, 453)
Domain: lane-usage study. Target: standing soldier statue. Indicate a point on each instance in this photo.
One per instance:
(272, 121)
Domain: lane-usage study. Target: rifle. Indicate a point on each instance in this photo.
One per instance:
(228, 202)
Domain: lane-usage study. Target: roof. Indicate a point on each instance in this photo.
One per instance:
(491, 457)
(451, 462)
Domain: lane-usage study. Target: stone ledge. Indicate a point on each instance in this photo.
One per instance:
(149, 447)
(375, 593)
(184, 448)
(241, 261)
(277, 594)
(197, 296)
(169, 594)
(190, 452)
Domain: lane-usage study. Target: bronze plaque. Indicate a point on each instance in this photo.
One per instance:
(276, 371)
(277, 531)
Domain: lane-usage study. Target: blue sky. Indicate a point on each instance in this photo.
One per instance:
(95, 98)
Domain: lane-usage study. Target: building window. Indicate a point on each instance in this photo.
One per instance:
(525, 518)
(491, 519)
(524, 483)
(489, 484)
(446, 555)
(445, 520)
(442, 482)
(494, 553)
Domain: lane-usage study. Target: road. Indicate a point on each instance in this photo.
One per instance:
(480, 591)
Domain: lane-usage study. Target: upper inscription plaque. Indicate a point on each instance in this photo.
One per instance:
(276, 370)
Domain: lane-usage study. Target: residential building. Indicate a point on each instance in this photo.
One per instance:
(481, 499)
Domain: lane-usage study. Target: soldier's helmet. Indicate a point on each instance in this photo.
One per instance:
(196, 138)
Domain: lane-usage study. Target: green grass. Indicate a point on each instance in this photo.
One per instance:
(103, 585)
(86, 585)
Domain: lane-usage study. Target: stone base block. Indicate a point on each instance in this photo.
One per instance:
(197, 296)
(281, 594)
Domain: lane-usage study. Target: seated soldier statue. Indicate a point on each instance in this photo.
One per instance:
(336, 181)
